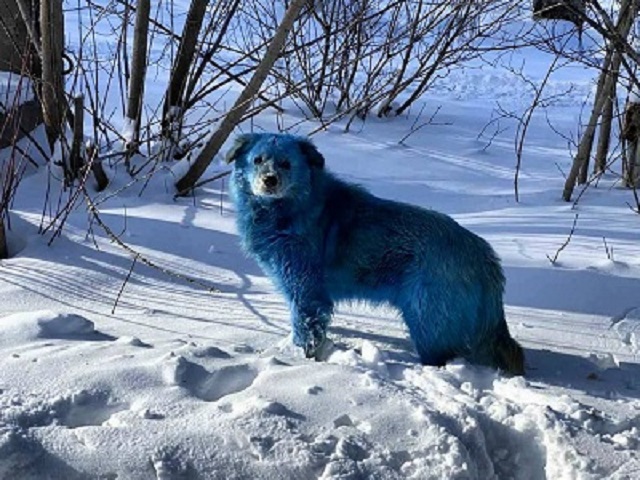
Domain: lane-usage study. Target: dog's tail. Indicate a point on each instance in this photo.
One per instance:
(507, 353)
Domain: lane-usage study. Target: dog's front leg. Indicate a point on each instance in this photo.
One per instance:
(301, 275)
(310, 319)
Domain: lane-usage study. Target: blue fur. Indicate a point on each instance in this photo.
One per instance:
(324, 241)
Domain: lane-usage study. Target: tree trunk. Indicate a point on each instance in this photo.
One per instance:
(606, 85)
(604, 138)
(95, 164)
(28, 9)
(242, 103)
(581, 160)
(612, 64)
(16, 56)
(138, 69)
(14, 37)
(77, 160)
(184, 60)
(632, 172)
(4, 247)
(52, 95)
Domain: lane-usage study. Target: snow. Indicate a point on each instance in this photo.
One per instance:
(162, 378)
(128, 130)
(14, 90)
(28, 327)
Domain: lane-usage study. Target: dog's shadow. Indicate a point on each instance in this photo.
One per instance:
(579, 373)
(178, 248)
(543, 367)
(387, 341)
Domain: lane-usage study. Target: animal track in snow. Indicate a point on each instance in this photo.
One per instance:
(90, 408)
(169, 464)
(209, 386)
(228, 380)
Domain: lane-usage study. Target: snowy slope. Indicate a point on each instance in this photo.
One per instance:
(181, 382)
(158, 377)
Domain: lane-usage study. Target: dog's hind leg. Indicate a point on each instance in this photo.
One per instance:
(430, 343)
(440, 319)
(471, 326)
(500, 350)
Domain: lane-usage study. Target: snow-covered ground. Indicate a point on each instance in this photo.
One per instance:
(14, 90)
(164, 378)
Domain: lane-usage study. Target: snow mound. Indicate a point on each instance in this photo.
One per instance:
(183, 414)
(45, 324)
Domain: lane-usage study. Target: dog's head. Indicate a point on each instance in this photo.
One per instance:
(273, 166)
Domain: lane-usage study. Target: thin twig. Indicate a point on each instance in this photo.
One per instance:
(414, 127)
(566, 242)
(115, 304)
(607, 249)
(94, 211)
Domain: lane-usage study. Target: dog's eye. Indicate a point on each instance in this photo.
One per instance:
(286, 165)
(257, 160)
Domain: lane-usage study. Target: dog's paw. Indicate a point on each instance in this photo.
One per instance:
(324, 351)
(315, 345)
(312, 346)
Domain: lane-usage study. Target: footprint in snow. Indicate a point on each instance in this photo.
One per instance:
(90, 409)
(209, 386)
(169, 464)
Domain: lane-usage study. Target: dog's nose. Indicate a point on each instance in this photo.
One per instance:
(270, 181)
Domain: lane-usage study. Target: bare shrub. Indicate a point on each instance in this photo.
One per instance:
(364, 56)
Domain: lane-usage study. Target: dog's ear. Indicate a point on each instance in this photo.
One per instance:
(313, 156)
(240, 146)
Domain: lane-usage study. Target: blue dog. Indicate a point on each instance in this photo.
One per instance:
(322, 240)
